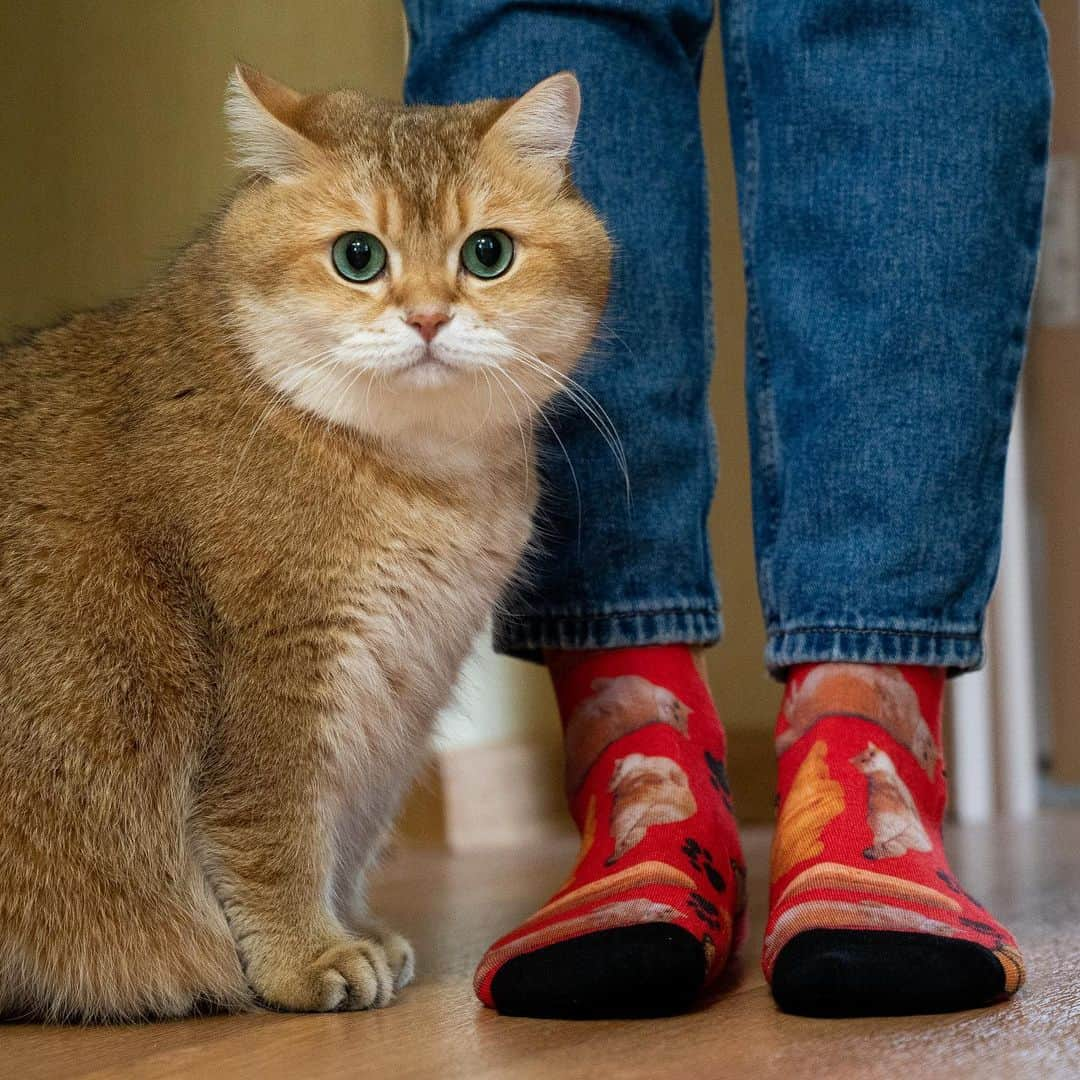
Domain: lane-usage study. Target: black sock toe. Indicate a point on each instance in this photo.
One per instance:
(883, 973)
(651, 969)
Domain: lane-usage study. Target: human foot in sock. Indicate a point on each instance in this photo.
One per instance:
(865, 916)
(655, 903)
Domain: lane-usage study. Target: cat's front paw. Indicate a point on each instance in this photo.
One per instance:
(399, 955)
(351, 973)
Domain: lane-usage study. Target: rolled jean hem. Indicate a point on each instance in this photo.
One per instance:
(527, 636)
(813, 644)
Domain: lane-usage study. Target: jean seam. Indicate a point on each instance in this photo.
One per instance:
(764, 404)
(415, 19)
(596, 615)
(956, 652)
(527, 637)
(712, 449)
(1014, 350)
(964, 635)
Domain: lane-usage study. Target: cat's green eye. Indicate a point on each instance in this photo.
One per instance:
(487, 253)
(359, 256)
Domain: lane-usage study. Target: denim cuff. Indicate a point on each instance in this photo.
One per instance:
(526, 636)
(958, 652)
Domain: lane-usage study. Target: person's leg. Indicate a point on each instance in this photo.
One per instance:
(602, 574)
(615, 594)
(890, 158)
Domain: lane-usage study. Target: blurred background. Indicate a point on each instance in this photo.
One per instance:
(113, 150)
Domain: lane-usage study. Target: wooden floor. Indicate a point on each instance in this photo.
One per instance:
(452, 907)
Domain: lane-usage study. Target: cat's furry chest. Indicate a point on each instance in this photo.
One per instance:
(411, 608)
(420, 595)
(386, 575)
(407, 573)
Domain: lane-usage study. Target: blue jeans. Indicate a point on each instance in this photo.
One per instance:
(890, 159)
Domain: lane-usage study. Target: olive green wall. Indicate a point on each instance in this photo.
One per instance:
(113, 149)
(112, 142)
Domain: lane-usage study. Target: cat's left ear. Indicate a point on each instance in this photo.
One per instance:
(540, 125)
(262, 115)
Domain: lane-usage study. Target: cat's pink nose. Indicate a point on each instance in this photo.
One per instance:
(427, 323)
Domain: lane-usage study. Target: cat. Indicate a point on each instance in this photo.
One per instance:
(251, 521)
(879, 694)
(648, 790)
(890, 813)
(617, 707)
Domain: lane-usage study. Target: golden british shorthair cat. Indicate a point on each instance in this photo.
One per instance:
(250, 522)
(890, 811)
(649, 790)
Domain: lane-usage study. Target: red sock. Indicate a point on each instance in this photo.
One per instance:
(865, 915)
(654, 906)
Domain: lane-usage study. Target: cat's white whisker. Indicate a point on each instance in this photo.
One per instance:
(276, 402)
(479, 369)
(589, 406)
(585, 401)
(524, 441)
(255, 382)
(551, 427)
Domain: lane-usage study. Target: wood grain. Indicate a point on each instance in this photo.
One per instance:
(453, 906)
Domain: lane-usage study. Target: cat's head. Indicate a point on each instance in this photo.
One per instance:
(873, 760)
(671, 709)
(638, 773)
(410, 269)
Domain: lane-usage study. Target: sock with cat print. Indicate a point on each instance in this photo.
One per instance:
(865, 915)
(654, 905)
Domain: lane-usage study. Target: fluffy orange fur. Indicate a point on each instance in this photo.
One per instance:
(250, 524)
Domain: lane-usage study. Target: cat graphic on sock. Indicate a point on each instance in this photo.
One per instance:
(890, 811)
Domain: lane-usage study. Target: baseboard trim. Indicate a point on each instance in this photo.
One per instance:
(510, 794)
(476, 797)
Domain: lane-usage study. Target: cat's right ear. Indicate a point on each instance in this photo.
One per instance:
(540, 125)
(261, 114)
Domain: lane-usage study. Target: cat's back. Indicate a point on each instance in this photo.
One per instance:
(31, 373)
(38, 391)
(70, 395)
(54, 378)
(63, 395)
